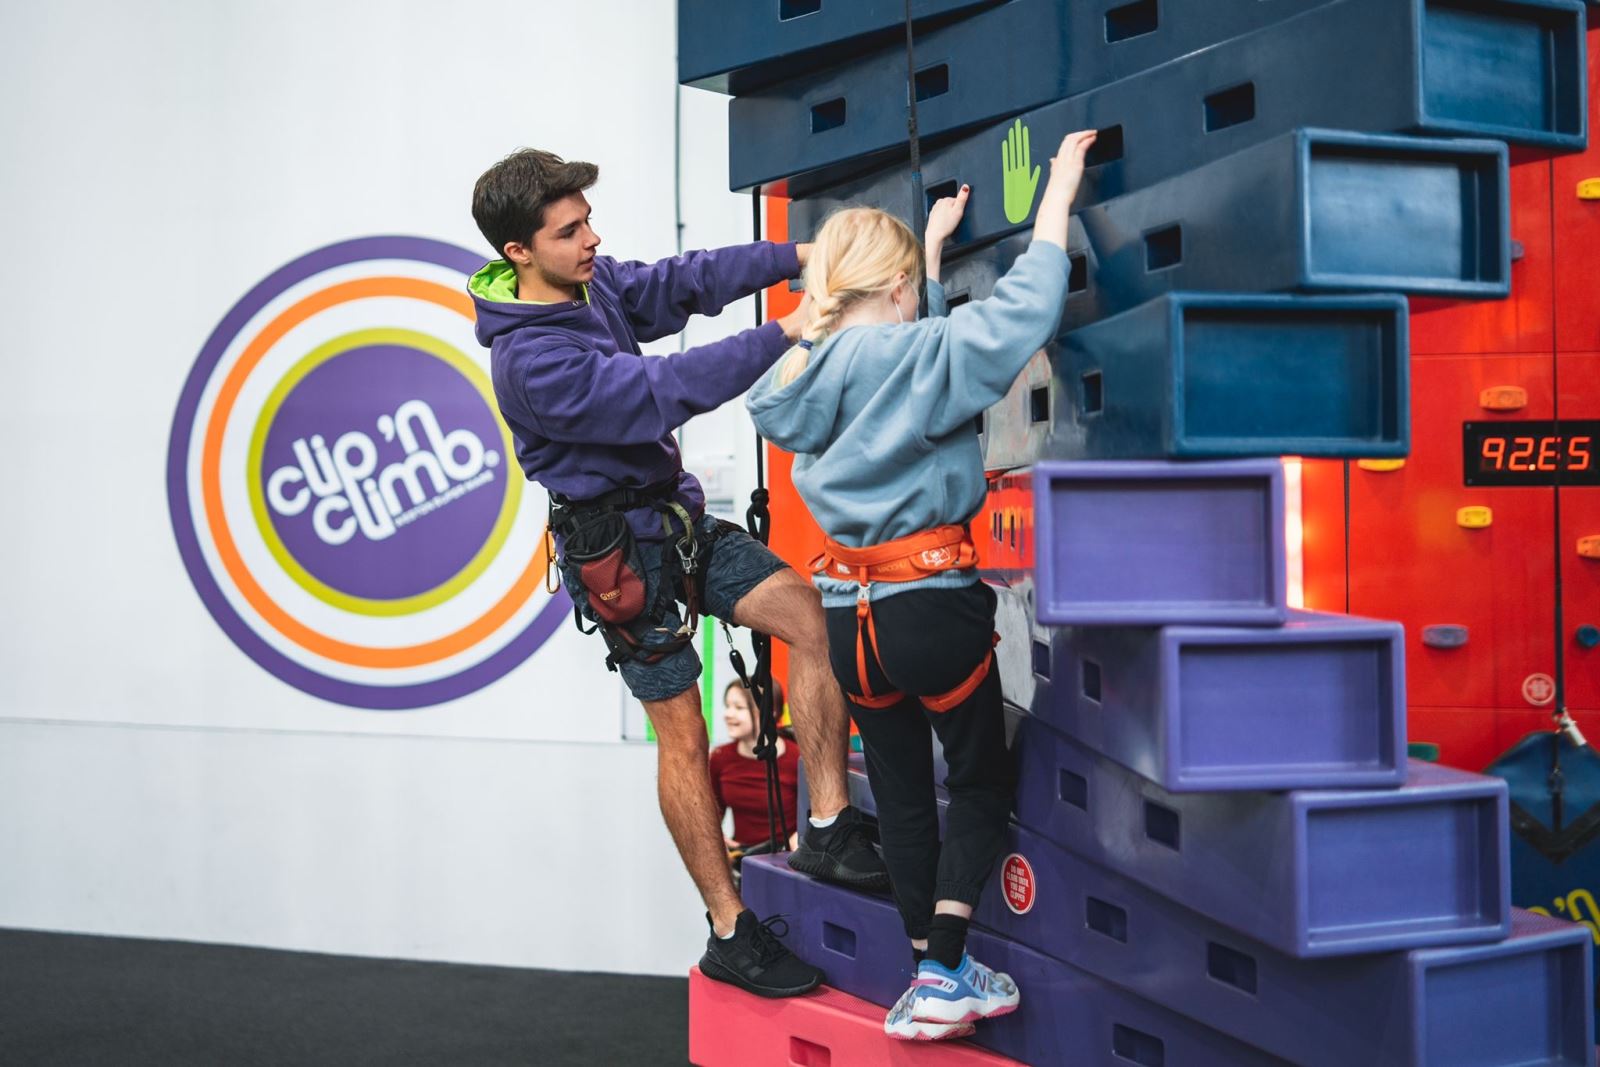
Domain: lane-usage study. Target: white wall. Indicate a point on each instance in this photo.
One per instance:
(162, 159)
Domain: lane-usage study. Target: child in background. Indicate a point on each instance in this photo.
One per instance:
(739, 780)
(878, 408)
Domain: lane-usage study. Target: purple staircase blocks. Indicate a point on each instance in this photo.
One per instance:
(1319, 702)
(1155, 543)
(1423, 1006)
(1066, 1013)
(1310, 872)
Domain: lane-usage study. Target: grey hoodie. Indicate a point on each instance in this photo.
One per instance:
(880, 420)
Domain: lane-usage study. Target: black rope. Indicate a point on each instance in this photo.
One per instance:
(758, 520)
(918, 207)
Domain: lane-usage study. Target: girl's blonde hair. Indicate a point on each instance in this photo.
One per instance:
(856, 255)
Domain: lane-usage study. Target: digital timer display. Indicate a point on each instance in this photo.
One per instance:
(1531, 453)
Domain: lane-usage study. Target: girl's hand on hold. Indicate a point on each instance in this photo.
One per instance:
(1066, 169)
(946, 215)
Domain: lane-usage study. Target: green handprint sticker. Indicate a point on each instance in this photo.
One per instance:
(1018, 183)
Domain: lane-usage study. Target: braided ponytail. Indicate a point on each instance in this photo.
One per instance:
(857, 254)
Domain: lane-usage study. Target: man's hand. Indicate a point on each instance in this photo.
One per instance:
(802, 252)
(796, 320)
(945, 216)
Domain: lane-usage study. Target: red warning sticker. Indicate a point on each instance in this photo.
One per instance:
(1016, 879)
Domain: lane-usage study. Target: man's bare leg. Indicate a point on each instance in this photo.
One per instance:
(683, 784)
(786, 606)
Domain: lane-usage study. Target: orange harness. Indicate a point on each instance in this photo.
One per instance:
(905, 559)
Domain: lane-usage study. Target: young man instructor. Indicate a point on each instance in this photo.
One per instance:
(593, 422)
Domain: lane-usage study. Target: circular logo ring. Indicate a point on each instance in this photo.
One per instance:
(180, 504)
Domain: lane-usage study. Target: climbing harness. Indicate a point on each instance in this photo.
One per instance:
(599, 545)
(904, 559)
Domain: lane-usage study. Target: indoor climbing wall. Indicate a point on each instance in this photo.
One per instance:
(1220, 853)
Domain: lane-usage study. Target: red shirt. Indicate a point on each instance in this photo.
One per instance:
(740, 782)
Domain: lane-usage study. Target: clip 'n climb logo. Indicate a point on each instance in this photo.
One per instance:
(344, 495)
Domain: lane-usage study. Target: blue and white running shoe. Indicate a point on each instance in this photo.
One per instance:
(900, 1023)
(971, 991)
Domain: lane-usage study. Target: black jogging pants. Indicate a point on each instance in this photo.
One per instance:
(931, 640)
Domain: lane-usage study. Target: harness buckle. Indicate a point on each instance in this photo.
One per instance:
(688, 557)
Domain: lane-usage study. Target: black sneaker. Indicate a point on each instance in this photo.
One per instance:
(756, 961)
(842, 854)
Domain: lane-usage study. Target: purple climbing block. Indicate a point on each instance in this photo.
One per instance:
(1153, 543)
(1310, 872)
(1319, 702)
(1066, 1013)
(1447, 1006)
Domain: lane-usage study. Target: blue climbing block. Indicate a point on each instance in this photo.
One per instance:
(1315, 210)
(859, 943)
(736, 46)
(1311, 872)
(1210, 375)
(1152, 544)
(1446, 1006)
(1317, 703)
(1195, 375)
(1024, 53)
(1509, 71)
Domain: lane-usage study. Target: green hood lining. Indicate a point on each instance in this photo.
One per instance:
(496, 281)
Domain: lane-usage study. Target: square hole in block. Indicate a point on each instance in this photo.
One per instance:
(828, 115)
(932, 82)
(1094, 400)
(1072, 788)
(1091, 680)
(1107, 148)
(1136, 1046)
(1230, 107)
(1132, 20)
(1163, 248)
(1105, 918)
(1039, 404)
(1162, 825)
(1041, 659)
(1231, 967)
(1077, 272)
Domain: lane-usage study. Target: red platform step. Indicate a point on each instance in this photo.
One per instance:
(824, 1028)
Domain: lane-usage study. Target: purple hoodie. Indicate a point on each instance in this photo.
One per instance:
(590, 413)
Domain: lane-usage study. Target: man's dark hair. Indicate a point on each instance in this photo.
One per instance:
(509, 200)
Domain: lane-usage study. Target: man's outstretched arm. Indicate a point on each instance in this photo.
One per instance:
(659, 297)
(578, 394)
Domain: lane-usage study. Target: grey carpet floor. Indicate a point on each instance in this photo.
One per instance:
(75, 1001)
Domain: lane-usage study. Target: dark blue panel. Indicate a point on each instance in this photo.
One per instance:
(1062, 1007)
(1000, 62)
(1422, 1006)
(736, 46)
(1205, 709)
(1215, 375)
(1315, 210)
(1367, 65)
(1509, 69)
